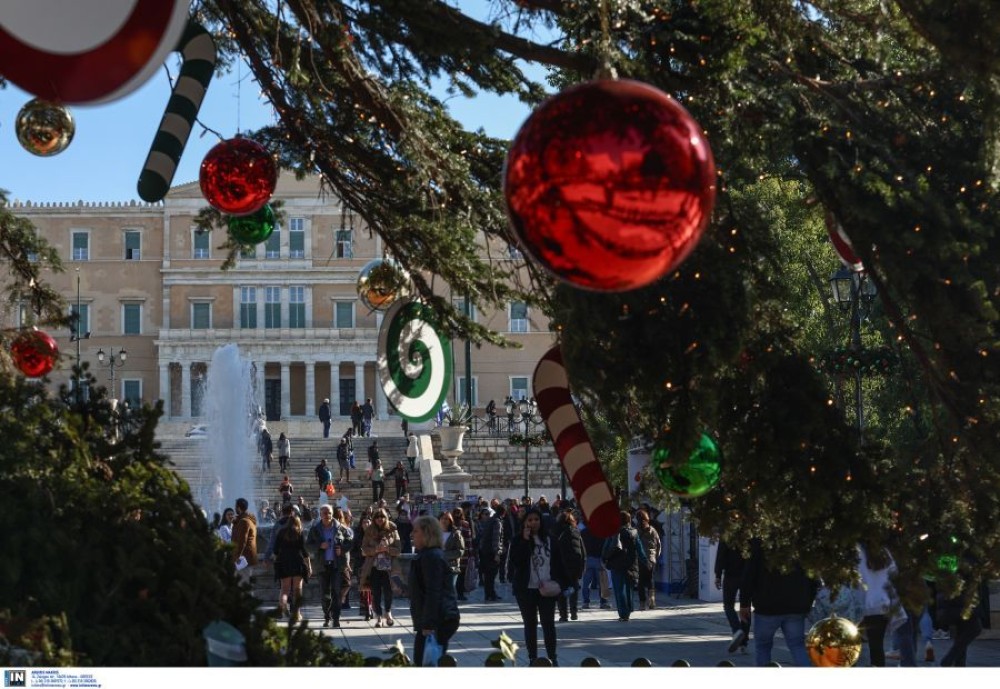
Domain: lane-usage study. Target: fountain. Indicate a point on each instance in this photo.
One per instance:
(230, 410)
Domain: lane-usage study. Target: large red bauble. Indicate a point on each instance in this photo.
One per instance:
(238, 176)
(35, 353)
(610, 184)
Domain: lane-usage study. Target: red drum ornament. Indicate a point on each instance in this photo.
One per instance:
(238, 176)
(35, 353)
(610, 184)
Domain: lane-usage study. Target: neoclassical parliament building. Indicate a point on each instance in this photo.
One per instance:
(141, 278)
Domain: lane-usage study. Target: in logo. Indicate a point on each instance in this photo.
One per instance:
(15, 678)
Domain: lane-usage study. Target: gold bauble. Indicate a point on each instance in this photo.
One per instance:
(44, 128)
(381, 283)
(834, 642)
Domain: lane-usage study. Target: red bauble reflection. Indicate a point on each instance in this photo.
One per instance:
(610, 184)
(35, 353)
(238, 176)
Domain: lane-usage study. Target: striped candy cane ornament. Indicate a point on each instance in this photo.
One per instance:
(551, 385)
(197, 50)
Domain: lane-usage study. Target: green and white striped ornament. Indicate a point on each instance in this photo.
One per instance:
(414, 361)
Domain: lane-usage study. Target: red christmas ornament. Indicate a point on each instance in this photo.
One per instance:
(238, 176)
(610, 184)
(34, 352)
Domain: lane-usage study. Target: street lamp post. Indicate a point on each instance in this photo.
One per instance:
(76, 336)
(113, 361)
(854, 291)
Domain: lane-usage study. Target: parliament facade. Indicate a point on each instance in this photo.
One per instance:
(141, 278)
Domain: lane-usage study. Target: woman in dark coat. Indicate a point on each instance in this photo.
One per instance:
(433, 601)
(289, 565)
(574, 558)
(534, 559)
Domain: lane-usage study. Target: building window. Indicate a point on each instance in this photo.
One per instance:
(132, 245)
(81, 245)
(343, 314)
(272, 307)
(201, 315)
(459, 305)
(519, 387)
(84, 389)
(132, 392)
(201, 245)
(81, 325)
(518, 317)
(296, 307)
(272, 247)
(460, 392)
(131, 319)
(345, 246)
(297, 238)
(248, 307)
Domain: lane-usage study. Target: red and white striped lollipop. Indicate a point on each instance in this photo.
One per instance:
(576, 454)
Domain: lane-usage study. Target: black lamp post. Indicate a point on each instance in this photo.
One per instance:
(113, 361)
(508, 405)
(76, 336)
(853, 291)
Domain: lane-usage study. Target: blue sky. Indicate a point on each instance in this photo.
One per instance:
(111, 143)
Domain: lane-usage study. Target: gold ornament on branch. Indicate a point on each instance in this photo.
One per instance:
(381, 283)
(834, 642)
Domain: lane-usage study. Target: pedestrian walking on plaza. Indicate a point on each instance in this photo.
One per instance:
(412, 450)
(325, 417)
(285, 489)
(729, 565)
(405, 526)
(225, 530)
(377, 475)
(266, 448)
(401, 477)
(356, 418)
(454, 547)
(647, 567)
(284, 452)
(244, 536)
(594, 575)
(367, 416)
(357, 556)
(539, 577)
(621, 555)
(950, 615)
(465, 528)
(343, 462)
(490, 550)
(332, 544)
(380, 548)
(291, 567)
(877, 568)
(574, 558)
(433, 601)
(780, 600)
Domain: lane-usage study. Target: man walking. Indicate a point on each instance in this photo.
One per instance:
(244, 537)
(592, 575)
(490, 550)
(367, 414)
(325, 417)
(780, 600)
(729, 565)
(622, 554)
(332, 544)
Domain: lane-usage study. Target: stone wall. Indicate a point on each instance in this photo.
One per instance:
(497, 467)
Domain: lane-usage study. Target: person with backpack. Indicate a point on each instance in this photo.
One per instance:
(343, 461)
(381, 546)
(490, 550)
(621, 555)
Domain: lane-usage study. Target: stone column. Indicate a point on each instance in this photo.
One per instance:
(165, 387)
(335, 388)
(359, 381)
(286, 396)
(186, 390)
(311, 407)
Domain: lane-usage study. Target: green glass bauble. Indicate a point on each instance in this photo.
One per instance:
(693, 478)
(254, 228)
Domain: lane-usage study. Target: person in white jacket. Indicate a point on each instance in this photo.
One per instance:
(882, 611)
